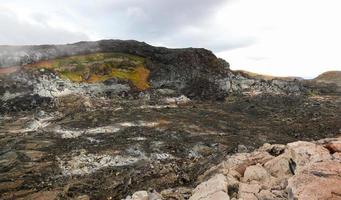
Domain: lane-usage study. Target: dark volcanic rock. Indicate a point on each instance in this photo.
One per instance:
(170, 68)
(69, 139)
(197, 73)
(24, 103)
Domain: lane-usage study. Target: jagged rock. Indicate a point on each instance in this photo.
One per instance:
(249, 188)
(278, 167)
(306, 152)
(266, 195)
(256, 173)
(334, 146)
(274, 150)
(83, 197)
(217, 196)
(8, 160)
(196, 73)
(144, 195)
(247, 196)
(33, 155)
(154, 196)
(46, 195)
(176, 193)
(314, 176)
(140, 195)
(177, 100)
(320, 180)
(10, 185)
(242, 149)
(254, 158)
(211, 188)
(337, 156)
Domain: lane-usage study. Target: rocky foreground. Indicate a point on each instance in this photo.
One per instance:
(298, 170)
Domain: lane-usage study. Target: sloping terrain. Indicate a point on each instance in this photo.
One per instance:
(326, 83)
(196, 73)
(104, 119)
(330, 77)
(265, 77)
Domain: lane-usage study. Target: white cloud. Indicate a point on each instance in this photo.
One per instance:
(295, 37)
(282, 37)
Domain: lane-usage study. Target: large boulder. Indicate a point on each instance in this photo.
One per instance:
(320, 180)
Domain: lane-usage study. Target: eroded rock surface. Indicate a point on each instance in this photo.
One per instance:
(315, 174)
(76, 126)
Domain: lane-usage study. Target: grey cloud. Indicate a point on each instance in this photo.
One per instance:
(153, 21)
(157, 21)
(150, 18)
(16, 32)
(217, 42)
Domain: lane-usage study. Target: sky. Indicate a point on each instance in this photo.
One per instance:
(274, 37)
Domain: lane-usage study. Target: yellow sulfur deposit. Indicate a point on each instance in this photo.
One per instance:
(98, 67)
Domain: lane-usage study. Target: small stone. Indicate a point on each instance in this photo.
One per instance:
(242, 149)
(83, 197)
(33, 145)
(276, 149)
(47, 195)
(249, 188)
(256, 173)
(337, 156)
(217, 196)
(8, 160)
(176, 193)
(215, 184)
(247, 196)
(154, 196)
(34, 155)
(265, 195)
(140, 195)
(278, 167)
(10, 185)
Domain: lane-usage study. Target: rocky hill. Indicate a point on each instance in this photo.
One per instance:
(113, 67)
(102, 120)
(326, 83)
(333, 77)
(266, 77)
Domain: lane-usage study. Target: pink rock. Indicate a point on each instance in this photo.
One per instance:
(247, 196)
(337, 156)
(256, 173)
(218, 196)
(320, 180)
(278, 167)
(214, 185)
(265, 195)
(334, 146)
(140, 195)
(306, 152)
(249, 188)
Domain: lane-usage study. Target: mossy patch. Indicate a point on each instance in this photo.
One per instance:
(98, 67)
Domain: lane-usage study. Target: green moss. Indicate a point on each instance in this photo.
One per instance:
(99, 67)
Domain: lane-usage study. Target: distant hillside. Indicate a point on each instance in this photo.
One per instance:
(266, 77)
(330, 77)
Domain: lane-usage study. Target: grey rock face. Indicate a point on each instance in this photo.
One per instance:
(196, 73)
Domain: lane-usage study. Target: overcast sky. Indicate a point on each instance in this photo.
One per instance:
(277, 37)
